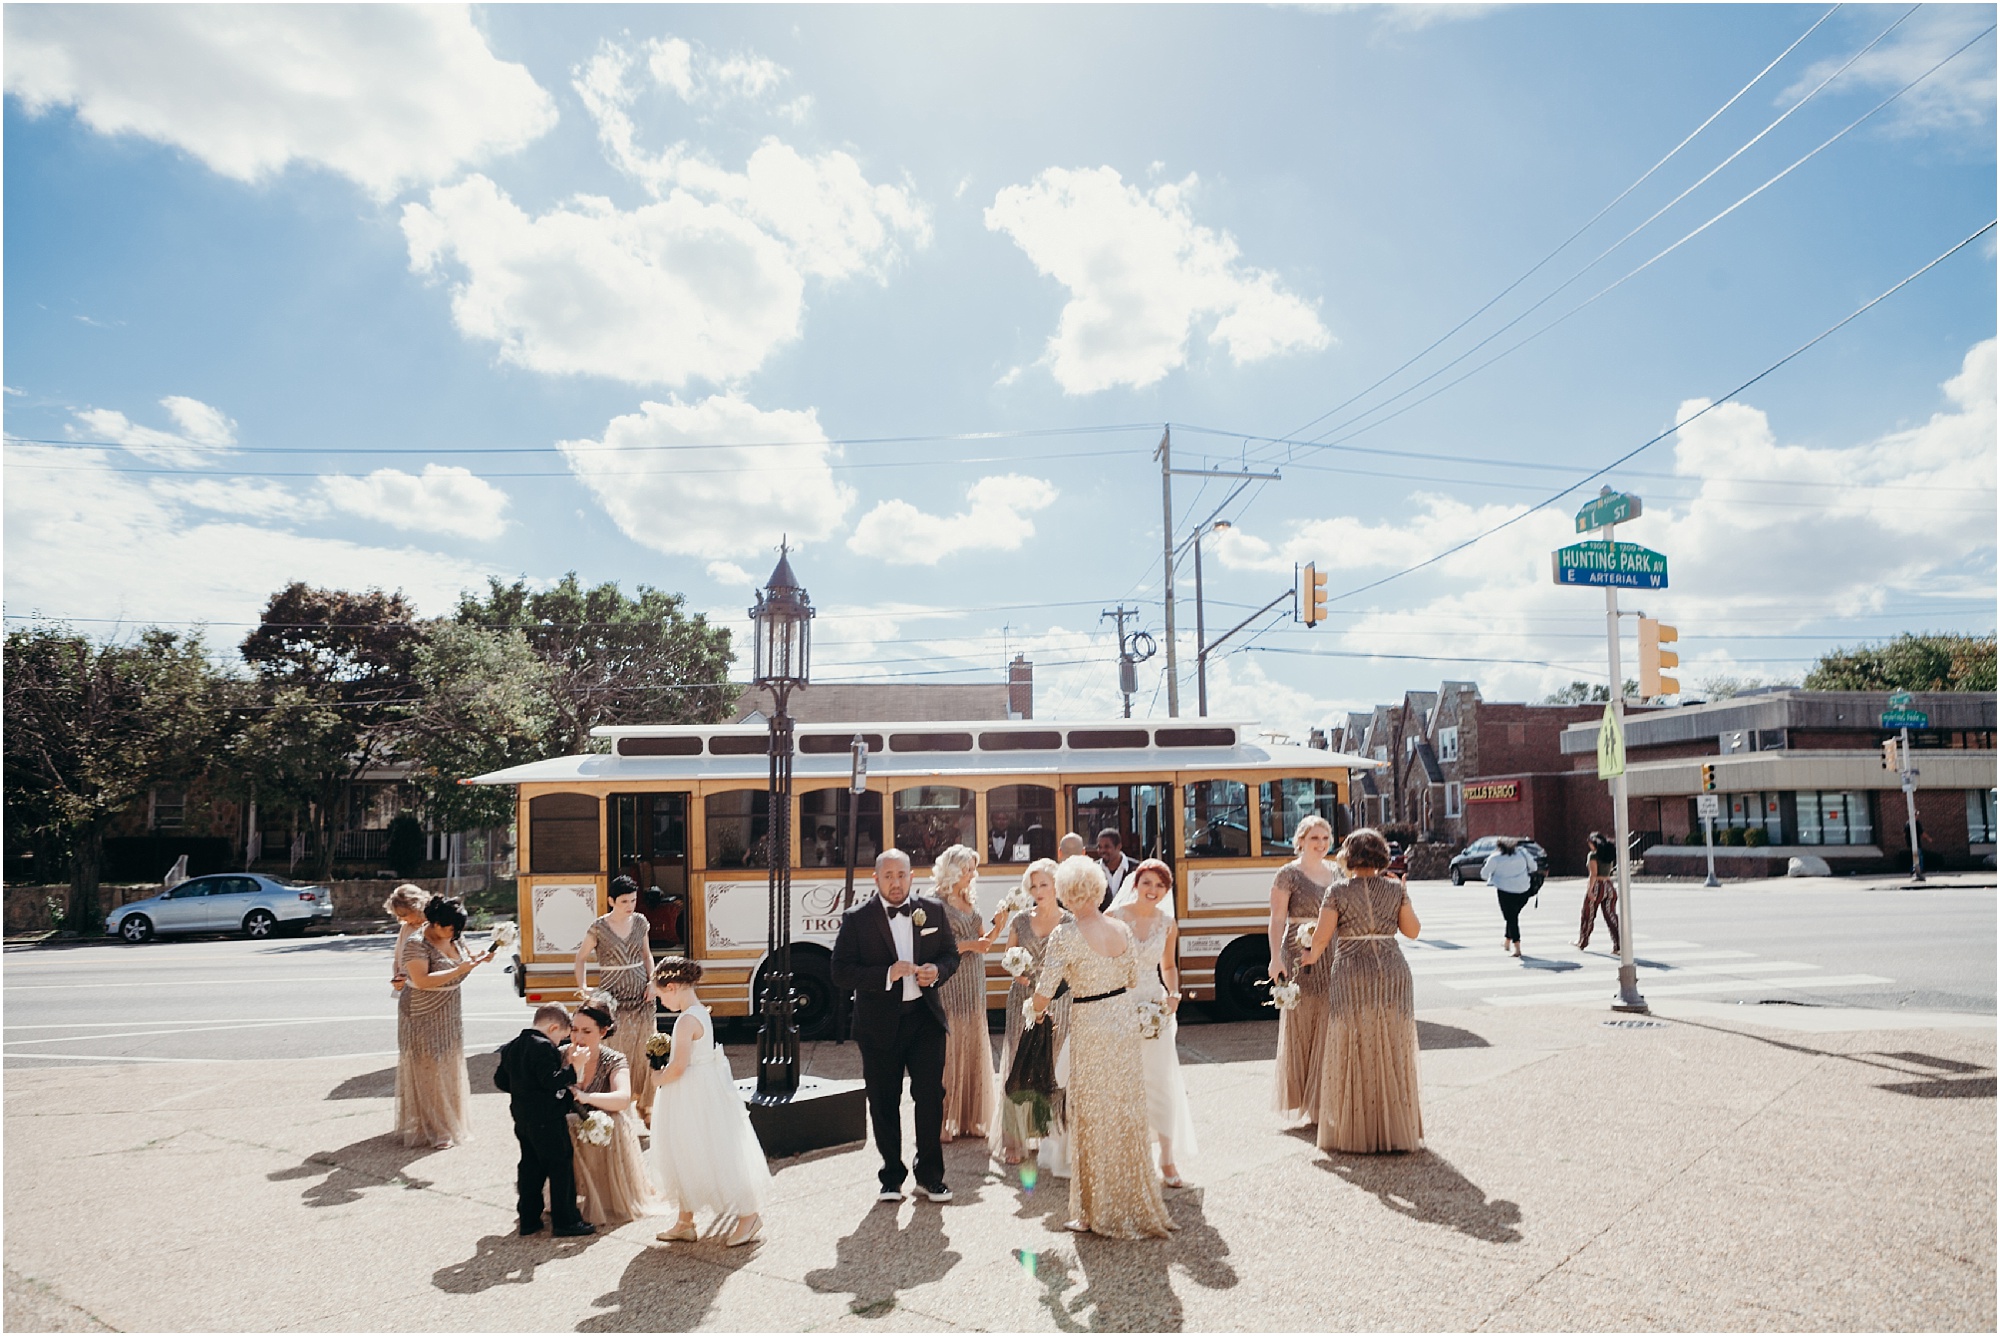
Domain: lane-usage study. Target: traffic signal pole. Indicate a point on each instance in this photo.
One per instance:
(1909, 779)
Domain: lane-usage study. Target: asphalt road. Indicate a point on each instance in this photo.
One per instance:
(1844, 944)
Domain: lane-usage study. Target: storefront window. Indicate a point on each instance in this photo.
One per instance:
(1283, 803)
(1020, 823)
(1979, 816)
(1835, 818)
(930, 819)
(1216, 822)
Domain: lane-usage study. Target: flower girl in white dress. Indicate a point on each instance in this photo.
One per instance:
(1146, 905)
(705, 1155)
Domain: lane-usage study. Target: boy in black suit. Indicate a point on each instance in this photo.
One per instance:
(537, 1077)
(893, 952)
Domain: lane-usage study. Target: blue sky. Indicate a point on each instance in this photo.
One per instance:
(410, 297)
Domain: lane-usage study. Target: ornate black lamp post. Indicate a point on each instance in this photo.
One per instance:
(783, 646)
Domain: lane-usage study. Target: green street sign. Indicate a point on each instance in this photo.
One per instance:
(1607, 508)
(1610, 746)
(1905, 719)
(1900, 700)
(1626, 565)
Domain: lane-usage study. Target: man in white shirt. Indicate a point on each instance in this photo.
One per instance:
(1118, 864)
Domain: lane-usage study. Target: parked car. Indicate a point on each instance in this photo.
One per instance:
(1467, 862)
(253, 904)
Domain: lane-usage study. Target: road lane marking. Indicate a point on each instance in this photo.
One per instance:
(186, 983)
(204, 1020)
(1667, 990)
(99, 1057)
(1757, 967)
(203, 1027)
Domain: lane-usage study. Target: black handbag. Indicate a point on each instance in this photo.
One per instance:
(1032, 1078)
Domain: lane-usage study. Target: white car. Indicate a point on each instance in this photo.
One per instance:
(250, 903)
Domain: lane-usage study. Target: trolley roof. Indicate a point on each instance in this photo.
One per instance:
(930, 748)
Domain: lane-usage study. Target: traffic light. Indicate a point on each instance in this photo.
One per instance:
(1312, 595)
(1652, 634)
(1891, 757)
(1708, 779)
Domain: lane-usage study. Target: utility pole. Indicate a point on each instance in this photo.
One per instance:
(1165, 454)
(1200, 638)
(1130, 657)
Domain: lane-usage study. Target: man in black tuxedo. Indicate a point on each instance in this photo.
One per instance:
(538, 1079)
(893, 951)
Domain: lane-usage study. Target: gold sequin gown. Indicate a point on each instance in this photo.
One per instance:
(1113, 1187)
(1302, 1030)
(621, 972)
(1368, 1085)
(1010, 1136)
(968, 1054)
(612, 1180)
(433, 1093)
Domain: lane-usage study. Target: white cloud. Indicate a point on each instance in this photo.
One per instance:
(995, 520)
(694, 75)
(718, 479)
(1772, 536)
(1142, 277)
(1958, 97)
(159, 563)
(244, 498)
(387, 95)
(701, 284)
(1400, 18)
(205, 432)
(443, 499)
(729, 573)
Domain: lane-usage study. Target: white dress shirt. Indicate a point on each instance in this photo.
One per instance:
(1114, 878)
(905, 932)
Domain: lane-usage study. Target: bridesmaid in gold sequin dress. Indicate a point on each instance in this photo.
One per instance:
(433, 1094)
(1368, 1099)
(611, 1179)
(618, 940)
(968, 1054)
(1296, 893)
(1113, 1190)
(1030, 931)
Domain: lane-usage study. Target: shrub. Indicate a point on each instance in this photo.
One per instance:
(1730, 836)
(1756, 838)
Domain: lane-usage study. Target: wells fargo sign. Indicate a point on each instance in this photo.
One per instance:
(1504, 791)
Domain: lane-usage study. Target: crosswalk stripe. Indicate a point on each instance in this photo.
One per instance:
(1757, 967)
(1601, 994)
(1432, 966)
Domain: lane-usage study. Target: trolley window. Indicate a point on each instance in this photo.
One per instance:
(932, 817)
(1283, 803)
(1138, 812)
(562, 833)
(823, 828)
(1216, 819)
(1020, 823)
(739, 828)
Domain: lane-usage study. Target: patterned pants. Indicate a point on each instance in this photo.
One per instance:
(1602, 895)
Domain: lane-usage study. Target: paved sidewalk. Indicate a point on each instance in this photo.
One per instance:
(1714, 1170)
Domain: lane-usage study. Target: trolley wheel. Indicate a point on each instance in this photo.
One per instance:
(1242, 980)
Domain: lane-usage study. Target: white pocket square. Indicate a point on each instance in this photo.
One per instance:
(927, 932)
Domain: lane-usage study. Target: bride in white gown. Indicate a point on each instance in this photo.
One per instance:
(1146, 906)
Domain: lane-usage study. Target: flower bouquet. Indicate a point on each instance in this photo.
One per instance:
(659, 1050)
(504, 936)
(1016, 901)
(1152, 1019)
(1284, 996)
(1016, 961)
(595, 1130)
(1028, 1013)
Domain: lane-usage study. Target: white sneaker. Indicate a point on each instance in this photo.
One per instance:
(939, 1193)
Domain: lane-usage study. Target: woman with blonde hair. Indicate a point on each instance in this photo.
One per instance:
(433, 1094)
(1296, 893)
(405, 905)
(1368, 1082)
(1030, 931)
(1113, 1189)
(968, 1054)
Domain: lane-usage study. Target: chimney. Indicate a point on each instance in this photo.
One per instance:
(1020, 688)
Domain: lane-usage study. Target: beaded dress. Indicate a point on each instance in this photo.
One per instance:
(621, 972)
(1302, 1029)
(1368, 1086)
(1010, 1135)
(433, 1093)
(611, 1179)
(968, 1054)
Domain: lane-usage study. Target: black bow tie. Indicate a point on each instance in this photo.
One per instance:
(904, 909)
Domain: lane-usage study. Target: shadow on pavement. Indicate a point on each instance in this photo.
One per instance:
(883, 1256)
(1127, 1283)
(382, 1084)
(663, 1289)
(1933, 1082)
(1425, 1187)
(506, 1259)
(374, 1163)
(1944, 1087)
(375, 943)
(1431, 1035)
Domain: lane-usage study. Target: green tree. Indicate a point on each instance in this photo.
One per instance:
(1943, 661)
(91, 728)
(336, 678)
(486, 705)
(612, 659)
(1583, 693)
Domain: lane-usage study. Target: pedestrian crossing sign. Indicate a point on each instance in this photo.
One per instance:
(1610, 746)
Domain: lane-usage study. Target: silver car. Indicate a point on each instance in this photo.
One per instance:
(252, 904)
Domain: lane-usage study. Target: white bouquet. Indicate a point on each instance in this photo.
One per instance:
(595, 1130)
(1304, 936)
(1028, 1013)
(1016, 960)
(505, 935)
(1152, 1019)
(1016, 901)
(1284, 996)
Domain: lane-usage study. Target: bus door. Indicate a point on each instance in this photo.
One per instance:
(1138, 812)
(650, 831)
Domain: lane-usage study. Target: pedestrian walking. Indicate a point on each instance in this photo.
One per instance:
(1296, 894)
(432, 1092)
(705, 1154)
(1158, 997)
(1029, 933)
(1510, 873)
(1601, 895)
(619, 943)
(1368, 1097)
(893, 951)
(610, 1171)
(968, 1056)
(538, 1083)
(1113, 1189)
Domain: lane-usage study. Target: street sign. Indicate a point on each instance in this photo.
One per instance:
(1708, 806)
(1626, 565)
(1900, 700)
(1905, 719)
(1610, 746)
(1607, 508)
